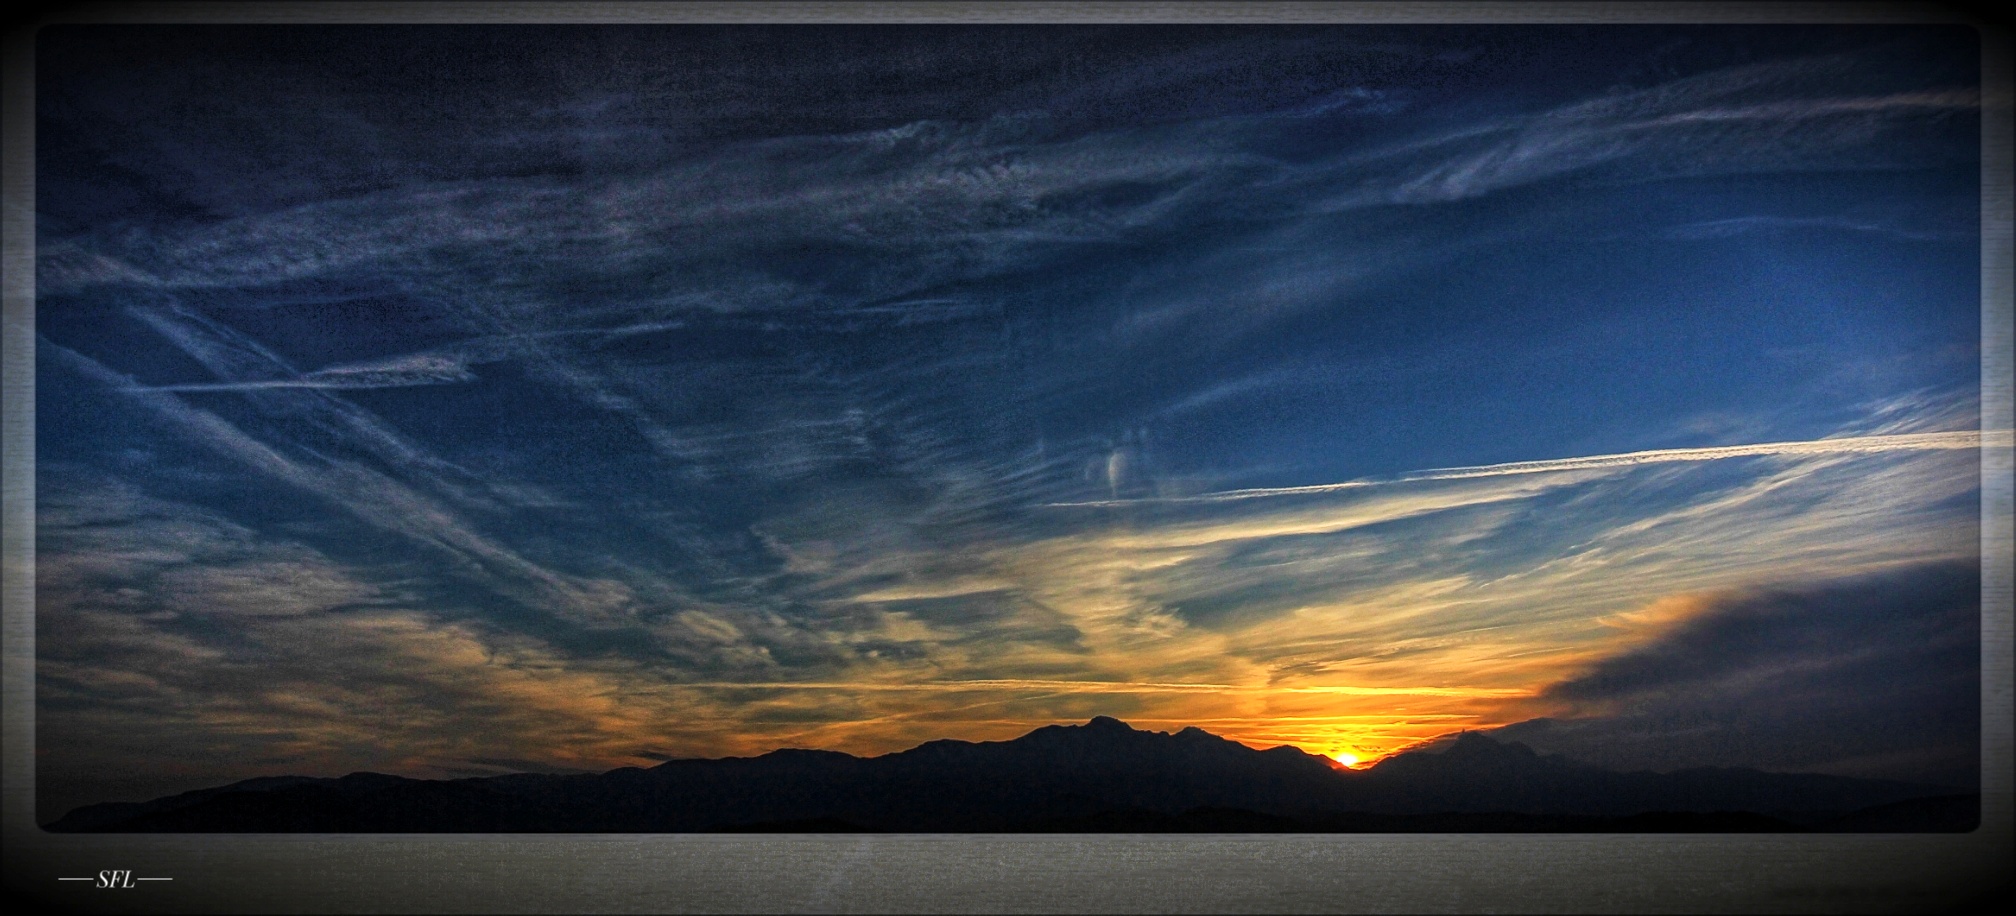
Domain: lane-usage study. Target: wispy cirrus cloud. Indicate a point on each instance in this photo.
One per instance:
(1846, 445)
(1758, 118)
(371, 496)
(1742, 225)
(398, 372)
(441, 366)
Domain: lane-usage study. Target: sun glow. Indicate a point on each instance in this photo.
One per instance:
(1346, 758)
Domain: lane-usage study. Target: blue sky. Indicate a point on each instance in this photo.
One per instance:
(459, 400)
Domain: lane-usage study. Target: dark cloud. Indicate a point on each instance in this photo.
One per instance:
(1877, 675)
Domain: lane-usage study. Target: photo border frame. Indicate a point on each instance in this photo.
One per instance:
(1270, 873)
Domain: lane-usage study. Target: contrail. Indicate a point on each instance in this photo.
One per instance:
(1956, 440)
(395, 372)
(441, 366)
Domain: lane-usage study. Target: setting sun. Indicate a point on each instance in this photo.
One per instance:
(1346, 758)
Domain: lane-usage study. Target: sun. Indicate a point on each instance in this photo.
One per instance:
(1346, 758)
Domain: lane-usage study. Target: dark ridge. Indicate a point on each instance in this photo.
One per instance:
(1100, 777)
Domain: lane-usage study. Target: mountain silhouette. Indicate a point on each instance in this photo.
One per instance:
(1103, 776)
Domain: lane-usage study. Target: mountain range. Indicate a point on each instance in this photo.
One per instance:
(1103, 776)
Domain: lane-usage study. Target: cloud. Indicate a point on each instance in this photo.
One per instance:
(397, 372)
(366, 690)
(271, 385)
(261, 588)
(1744, 225)
(1845, 445)
(171, 634)
(1754, 118)
(115, 548)
(1322, 519)
(381, 501)
(888, 227)
(1875, 675)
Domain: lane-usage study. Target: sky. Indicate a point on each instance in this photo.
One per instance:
(453, 401)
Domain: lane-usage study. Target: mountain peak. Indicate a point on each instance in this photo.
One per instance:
(1108, 724)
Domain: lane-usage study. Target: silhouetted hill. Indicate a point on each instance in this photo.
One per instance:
(1103, 776)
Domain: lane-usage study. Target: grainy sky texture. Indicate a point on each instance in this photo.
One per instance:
(459, 400)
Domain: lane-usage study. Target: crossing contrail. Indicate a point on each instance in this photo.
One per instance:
(1904, 442)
